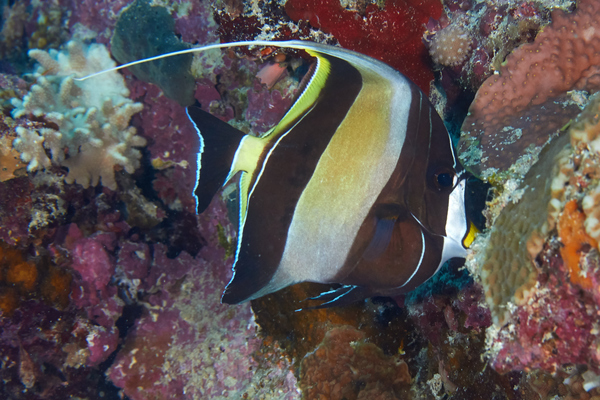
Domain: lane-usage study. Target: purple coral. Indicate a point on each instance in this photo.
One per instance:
(554, 328)
(208, 349)
(92, 261)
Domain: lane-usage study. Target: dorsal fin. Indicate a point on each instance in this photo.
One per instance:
(219, 143)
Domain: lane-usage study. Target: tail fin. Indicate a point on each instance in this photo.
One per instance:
(219, 143)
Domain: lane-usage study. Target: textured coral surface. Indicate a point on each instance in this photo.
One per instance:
(508, 271)
(545, 316)
(93, 135)
(345, 357)
(524, 103)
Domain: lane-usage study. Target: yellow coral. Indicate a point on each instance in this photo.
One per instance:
(21, 279)
(16, 271)
(10, 161)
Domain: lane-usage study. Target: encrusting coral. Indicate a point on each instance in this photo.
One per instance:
(344, 358)
(539, 265)
(524, 102)
(508, 272)
(88, 122)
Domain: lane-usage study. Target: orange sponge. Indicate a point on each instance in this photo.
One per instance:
(573, 236)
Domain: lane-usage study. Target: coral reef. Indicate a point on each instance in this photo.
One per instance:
(10, 86)
(111, 257)
(360, 370)
(539, 264)
(10, 159)
(390, 32)
(15, 219)
(48, 31)
(113, 291)
(13, 27)
(18, 279)
(187, 342)
(508, 271)
(493, 30)
(574, 239)
(450, 46)
(87, 124)
(529, 93)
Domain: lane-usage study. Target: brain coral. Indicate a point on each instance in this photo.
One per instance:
(88, 130)
(522, 103)
(539, 266)
(508, 271)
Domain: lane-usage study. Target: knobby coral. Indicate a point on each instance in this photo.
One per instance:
(525, 101)
(88, 121)
(451, 45)
(539, 266)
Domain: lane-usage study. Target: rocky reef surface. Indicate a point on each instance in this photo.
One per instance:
(110, 283)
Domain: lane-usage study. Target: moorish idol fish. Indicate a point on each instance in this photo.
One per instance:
(358, 184)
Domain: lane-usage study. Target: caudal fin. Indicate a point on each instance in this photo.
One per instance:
(219, 142)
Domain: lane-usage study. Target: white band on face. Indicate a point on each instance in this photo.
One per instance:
(456, 224)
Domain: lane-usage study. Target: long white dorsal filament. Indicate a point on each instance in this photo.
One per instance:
(291, 44)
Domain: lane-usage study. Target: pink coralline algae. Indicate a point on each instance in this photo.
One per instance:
(265, 108)
(187, 343)
(194, 21)
(92, 291)
(101, 343)
(92, 262)
(171, 140)
(134, 260)
(464, 312)
(16, 205)
(98, 16)
(558, 326)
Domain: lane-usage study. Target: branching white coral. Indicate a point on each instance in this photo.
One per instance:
(92, 117)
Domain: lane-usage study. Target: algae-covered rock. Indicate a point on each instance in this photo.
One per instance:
(143, 31)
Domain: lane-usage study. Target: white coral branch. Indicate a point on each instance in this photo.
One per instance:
(93, 135)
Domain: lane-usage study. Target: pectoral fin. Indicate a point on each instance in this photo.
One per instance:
(342, 296)
(381, 239)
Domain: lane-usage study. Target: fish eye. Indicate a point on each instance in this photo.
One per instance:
(444, 178)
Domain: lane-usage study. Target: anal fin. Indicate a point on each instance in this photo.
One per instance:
(249, 282)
